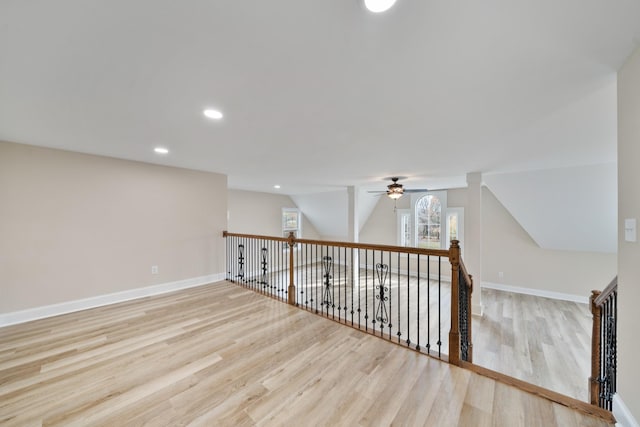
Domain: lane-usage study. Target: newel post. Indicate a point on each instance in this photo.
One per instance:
(594, 383)
(454, 333)
(291, 292)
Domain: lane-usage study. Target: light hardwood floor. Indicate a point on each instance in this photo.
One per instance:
(223, 355)
(543, 341)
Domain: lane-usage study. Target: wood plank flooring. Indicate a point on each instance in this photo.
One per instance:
(223, 355)
(543, 341)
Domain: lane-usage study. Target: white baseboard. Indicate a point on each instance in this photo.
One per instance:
(100, 300)
(536, 292)
(623, 415)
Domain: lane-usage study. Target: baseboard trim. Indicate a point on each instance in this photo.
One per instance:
(536, 292)
(30, 314)
(623, 415)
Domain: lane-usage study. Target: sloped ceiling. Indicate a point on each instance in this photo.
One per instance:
(328, 211)
(566, 209)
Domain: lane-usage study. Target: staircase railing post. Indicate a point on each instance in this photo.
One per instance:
(291, 291)
(454, 333)
(594, 383)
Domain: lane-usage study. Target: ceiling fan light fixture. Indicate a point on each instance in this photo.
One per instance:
(377, 6)
(395, 191)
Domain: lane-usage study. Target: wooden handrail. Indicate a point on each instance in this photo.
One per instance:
(467, 276)
(390, 248)
(602, 296)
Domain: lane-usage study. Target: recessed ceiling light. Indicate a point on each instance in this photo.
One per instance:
(378, 5)
(277, 187)
(213, 114)
(161, 150)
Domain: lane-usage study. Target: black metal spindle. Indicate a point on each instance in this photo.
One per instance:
(408, 301)
(399, 327)
(353, 270)
(428, 346)
(418, 309)
(359, 292)
(389, 291)
(366, 290)
(439, 306)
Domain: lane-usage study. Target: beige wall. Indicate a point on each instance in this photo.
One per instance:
(253, 212)
(628, 252)
(507, 248)
(74, 226)
(381, 227)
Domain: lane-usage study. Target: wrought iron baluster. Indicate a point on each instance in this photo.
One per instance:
(366, 290)
(390, 326)
(339, 284)
(408, 341)
(464, 316)
(399, 327)
(439, 306)
(428, 346)
(359, 292)
(382, 314)
(418, 304)
(240, 262)
(327, 296)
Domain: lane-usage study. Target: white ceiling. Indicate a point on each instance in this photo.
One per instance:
(318, 95)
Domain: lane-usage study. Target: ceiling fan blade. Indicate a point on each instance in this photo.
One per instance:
(416, 190)
(377, 192)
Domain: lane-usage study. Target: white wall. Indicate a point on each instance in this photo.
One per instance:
(509, 249)
(76, 226)
(573, 209)
(329, 211)
(628, 252)
(253, 212)
(381, 228)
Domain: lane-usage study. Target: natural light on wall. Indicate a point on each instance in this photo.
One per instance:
(378, 5)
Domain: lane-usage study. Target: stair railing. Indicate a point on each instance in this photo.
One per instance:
(604, 308)
(397, 293)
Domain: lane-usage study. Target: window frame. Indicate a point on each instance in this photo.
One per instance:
(297, 231)
(442, 197)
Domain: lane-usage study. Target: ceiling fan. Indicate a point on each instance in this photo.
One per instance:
(395, 190)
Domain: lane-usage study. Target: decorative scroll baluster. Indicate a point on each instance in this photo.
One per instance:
(327, 296)
(382, 315)
(263, 281)
(240, 262)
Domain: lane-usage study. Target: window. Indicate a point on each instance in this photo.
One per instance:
(430, 223)
(291, 222)
(428, 211)
(404, 227)
(455, 226)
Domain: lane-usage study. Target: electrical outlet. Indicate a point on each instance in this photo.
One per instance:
(154, 269)
(500, 275)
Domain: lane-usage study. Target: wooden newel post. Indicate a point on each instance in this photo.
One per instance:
(454, 333)
(594, 383)
(291, 292)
